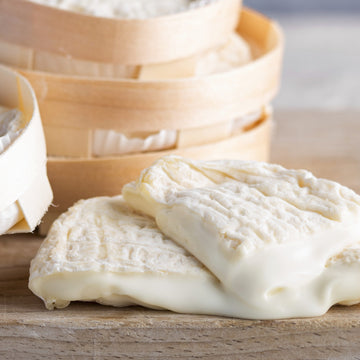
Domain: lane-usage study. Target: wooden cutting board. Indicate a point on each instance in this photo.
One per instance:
(326, 143)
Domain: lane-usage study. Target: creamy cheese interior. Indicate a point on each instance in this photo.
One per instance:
(11, 123)
(101, 250)
(133, 9)
(266, 232)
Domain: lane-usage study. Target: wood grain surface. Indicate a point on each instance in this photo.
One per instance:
(326, 143)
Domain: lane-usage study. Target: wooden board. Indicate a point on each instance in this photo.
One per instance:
(326, 143)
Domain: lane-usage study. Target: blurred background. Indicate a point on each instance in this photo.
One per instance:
(322, 57)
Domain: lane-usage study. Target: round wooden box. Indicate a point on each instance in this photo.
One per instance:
(23, 179)
(30, 32)
(76, 106)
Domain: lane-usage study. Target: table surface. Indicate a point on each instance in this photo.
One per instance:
(326, 143)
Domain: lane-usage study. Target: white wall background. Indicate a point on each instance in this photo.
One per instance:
(322, 54)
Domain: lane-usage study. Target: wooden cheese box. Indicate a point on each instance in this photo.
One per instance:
(75, 106)
(23, 179)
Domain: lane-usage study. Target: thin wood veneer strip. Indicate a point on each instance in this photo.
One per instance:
(74, 179)
(132, 105)
(23, 176)
(121, 41)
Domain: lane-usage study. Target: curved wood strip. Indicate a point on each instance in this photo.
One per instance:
(132, 105)
(23, 165)
(122, 41)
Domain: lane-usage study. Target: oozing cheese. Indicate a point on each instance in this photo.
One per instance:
(11, 123)
(269, 234)
(133, 9)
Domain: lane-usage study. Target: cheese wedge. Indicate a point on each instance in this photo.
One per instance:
(101, 250)
(233, 53)
(268, 233)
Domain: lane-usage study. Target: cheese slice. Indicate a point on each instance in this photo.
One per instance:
(11, 123)
(101, 250)
(266, 232)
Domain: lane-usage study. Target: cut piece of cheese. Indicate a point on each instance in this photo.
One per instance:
(235, 52)
(25, 192)
(101, 250)
(266, 232)
(125, 9)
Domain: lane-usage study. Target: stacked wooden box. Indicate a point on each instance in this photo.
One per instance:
(133, 78)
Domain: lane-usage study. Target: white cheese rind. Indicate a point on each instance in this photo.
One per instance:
(110, 142)
(101, 250)
(125, 9)
(266, 232)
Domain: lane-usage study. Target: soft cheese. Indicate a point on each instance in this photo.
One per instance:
(133, 9)
(101, 250)
(268, 233)
(11, 123)
(111, 142)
